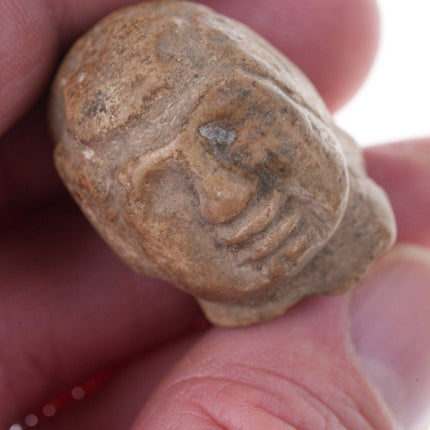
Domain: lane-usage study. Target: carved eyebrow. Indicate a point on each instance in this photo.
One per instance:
(282, 88)
(148, 159)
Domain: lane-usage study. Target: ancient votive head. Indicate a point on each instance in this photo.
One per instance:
(206, 158)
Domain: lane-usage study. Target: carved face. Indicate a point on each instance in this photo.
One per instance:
(206, 158)
(260, 184)
(226, 180)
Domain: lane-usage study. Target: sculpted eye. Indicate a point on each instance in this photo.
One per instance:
(220, 138)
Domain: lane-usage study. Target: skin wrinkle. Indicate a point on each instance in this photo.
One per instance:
(297, 384)
(349, 401)
(218, 365)
(247, 384)
(343, 339)
(237, 383)
(275, 415)
(270, 414)
(207, 415)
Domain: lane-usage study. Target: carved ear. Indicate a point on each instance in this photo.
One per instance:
(367, 229)
(368, 214)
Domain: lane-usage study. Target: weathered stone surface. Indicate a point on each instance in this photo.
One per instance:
(206, 158)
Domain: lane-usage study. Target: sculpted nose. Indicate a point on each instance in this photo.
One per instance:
(224, 189)
(225, 195)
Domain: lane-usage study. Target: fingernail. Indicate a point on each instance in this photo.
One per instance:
(390, 328)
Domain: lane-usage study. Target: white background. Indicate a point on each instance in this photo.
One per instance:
(394, 103)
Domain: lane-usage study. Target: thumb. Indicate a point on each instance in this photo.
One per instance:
(297, 372)
(390, 323)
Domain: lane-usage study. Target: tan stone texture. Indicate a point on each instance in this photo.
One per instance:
(205, 158)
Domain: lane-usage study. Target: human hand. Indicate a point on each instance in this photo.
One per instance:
(69, 308)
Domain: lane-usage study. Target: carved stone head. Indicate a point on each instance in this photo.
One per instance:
(204, 157)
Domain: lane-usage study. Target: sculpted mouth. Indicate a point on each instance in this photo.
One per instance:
(271, 238)
(260, 223)
(292, 226)
(252, 222)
